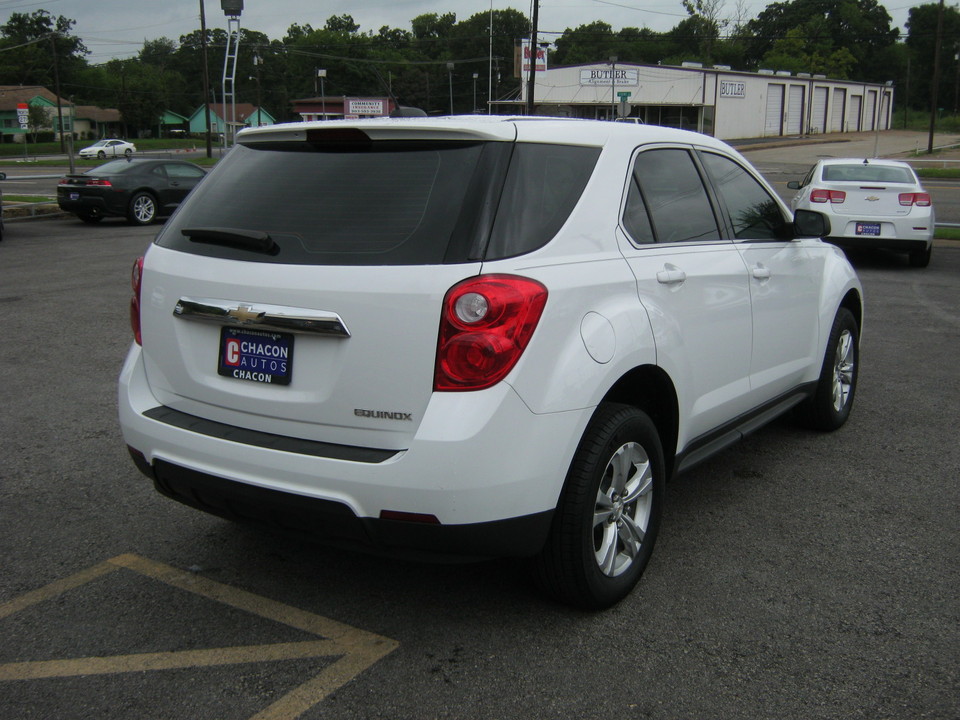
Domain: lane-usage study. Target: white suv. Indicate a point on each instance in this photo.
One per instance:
(484, 336)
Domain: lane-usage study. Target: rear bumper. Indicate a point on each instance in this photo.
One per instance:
(335, 523)
(484, 471)
(900, 244)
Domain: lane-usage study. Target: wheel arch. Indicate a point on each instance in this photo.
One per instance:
(854, 303)
(650, 389)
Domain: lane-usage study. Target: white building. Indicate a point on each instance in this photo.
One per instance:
(716, 100)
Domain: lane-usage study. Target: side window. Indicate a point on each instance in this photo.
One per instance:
(754, 213)
(675, 197)
(635, 217)
(159, 172)
(183, 171)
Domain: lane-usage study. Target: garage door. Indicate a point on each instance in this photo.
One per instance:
(795, 110)
(818, 113)
(869, 109)
(853, 117)
(773, 119)
(836, 116)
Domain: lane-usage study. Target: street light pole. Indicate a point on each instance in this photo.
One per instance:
(450, 78)
(322, 74)
(613, 87)
(475, 76)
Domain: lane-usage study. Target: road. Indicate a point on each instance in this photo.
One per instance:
(797, 575)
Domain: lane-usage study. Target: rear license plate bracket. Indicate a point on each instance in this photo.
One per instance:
(868, 228)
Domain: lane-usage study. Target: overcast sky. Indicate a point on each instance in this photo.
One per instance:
(117, 28)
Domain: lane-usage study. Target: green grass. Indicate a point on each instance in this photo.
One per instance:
(938, 172)
(28, 198)
(947, 233)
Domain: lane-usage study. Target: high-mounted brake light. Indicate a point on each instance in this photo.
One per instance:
(918, 199)
(136, 281)
(486, 324)
(832, 196)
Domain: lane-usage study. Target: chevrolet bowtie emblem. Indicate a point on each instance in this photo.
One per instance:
(244, 314)
(872, 198)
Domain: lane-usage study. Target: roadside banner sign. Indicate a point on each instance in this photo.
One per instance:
(23, 111)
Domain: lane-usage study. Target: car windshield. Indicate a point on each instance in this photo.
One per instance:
(862, 172)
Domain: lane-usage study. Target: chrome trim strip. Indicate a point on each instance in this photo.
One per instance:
(262, 317)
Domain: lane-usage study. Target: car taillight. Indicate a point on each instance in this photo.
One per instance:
(485, 326)
(99, 182)
(136, 281)
(833, 196)
(918, 199)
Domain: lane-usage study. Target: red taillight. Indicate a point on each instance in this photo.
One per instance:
(833, 196)
(918, 199)
(136, 281)
(486, 324)
(99, 182)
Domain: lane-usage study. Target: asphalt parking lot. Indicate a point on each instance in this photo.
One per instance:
(797, 575)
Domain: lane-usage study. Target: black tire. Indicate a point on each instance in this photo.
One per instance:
(128, 152)
(829, 407)
(589, 560)
(91, 219)
(142, 209)
(921, 258)
(102, 155)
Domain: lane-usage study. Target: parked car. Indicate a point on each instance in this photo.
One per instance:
(871, 203)
(108, 148)
(478, 336)
(139, 190)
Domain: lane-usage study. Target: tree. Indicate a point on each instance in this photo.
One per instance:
(921, 41)
(37, 37)
(39, 117)
(860, 26)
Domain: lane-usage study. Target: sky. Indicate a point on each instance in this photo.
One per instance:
(118, 28)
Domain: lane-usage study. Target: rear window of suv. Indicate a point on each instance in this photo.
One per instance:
(385, 203)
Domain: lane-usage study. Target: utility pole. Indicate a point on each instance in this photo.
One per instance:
(56, 83)
(206, 77)
(936, 78)
(532, 80)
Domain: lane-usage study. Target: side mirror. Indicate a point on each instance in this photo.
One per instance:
(793, 185)
(809, 223)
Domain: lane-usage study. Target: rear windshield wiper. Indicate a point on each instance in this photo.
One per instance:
(252, 240)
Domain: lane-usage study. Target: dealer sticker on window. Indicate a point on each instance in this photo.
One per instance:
(256, 355)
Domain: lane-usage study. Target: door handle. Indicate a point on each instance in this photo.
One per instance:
(671, 275)
(760, 272)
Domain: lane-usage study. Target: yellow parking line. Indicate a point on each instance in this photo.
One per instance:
(143, 662)
(350, 649)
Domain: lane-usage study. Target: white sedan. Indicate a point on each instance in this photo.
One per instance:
(108, 148)
(871, 203)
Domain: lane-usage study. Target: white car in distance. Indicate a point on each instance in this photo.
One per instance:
(871, 203)
(108, 148)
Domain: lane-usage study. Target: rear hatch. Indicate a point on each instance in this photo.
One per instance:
(298, 291)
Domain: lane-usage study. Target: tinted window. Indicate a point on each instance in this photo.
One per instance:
(183, 171)
(114, 167)
(543, 185)
(389, 204)
(754, 214)
(675, 196)
(635, 217)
